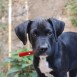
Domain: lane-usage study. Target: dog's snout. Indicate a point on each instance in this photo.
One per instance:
(43, 47)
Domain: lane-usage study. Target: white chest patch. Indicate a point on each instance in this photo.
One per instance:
(44, 66)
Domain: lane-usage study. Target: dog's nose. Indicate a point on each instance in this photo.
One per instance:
(43, 48)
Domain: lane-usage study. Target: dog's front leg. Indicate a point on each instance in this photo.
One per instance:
(36, 65)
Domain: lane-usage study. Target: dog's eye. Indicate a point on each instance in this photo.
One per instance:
(49, 33)
(35, 34)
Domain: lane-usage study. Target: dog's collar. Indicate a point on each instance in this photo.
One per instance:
(22, 54)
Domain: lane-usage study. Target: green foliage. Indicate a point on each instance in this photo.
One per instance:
(2, 74)
(3, 70)
(3, 7)
(3, 13)
(21, 66)
(3, 26)
(72, 9)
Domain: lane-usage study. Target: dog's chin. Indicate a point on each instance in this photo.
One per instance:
(44, 54)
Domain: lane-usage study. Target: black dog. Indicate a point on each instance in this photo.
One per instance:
(47, 39)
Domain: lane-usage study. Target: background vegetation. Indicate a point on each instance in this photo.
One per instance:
(3, 8)
(72, 11)
(21, 66)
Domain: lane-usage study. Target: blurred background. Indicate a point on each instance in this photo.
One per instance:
(65, 10)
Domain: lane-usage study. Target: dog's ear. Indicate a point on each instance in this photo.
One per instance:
(21, 31)
(57, 25)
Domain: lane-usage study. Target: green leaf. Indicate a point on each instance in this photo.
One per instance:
(33, 74)
(14, 52)
(22, 75)
(25, 59)
(30, 57)
(2, 74)
(16, 75)
(25, 65)
(14, 69)
(16, 57)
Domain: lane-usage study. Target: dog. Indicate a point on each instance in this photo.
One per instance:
(54, 49)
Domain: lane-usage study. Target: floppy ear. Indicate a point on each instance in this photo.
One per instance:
(57, 25)
(21, 31)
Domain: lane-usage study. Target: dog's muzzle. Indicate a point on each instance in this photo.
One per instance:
(43, 48)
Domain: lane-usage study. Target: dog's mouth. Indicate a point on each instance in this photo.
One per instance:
(38, 53)
(41, 54)
(44, 54)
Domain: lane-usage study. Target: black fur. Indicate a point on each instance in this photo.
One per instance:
(46, 37)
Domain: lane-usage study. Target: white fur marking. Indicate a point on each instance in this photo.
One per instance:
(43, 64)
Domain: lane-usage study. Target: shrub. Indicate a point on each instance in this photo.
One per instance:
(21, 66)
(72, 10)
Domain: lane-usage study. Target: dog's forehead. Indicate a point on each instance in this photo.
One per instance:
(43, 24)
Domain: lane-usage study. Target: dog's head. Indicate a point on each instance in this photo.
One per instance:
(42, 34)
